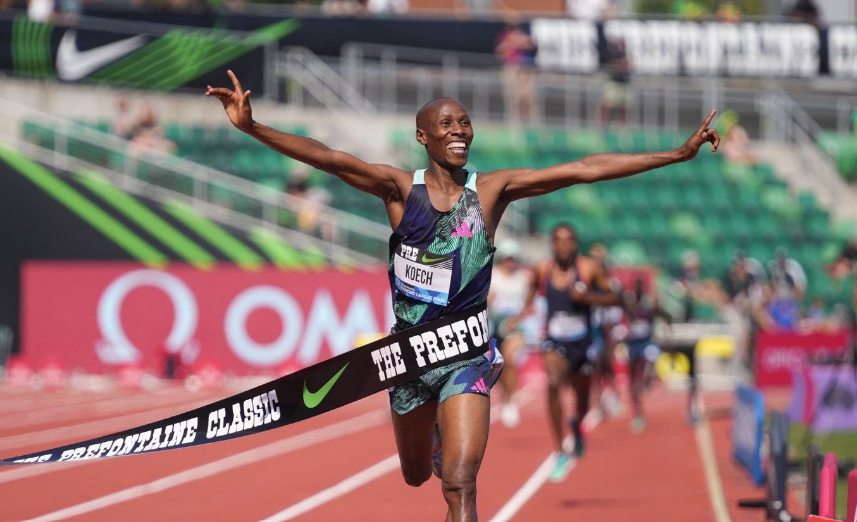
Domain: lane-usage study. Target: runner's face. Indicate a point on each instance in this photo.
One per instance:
(564, 245)
(447, 135)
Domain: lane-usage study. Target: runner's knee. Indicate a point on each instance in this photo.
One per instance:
(414, 476)
(459, 486)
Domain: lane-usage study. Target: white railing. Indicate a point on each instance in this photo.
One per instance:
(233, 199)
(314, 77)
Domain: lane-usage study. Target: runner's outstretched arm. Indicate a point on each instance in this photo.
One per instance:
(523, 183)
(375, 179)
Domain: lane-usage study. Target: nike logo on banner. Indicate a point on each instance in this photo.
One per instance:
(73, 64)
(463, 230)
(313, 399)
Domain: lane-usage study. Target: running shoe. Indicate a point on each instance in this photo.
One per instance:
(592, 419)
(436, 453)
(611, 404)
(510, 416)
(561, 467)
(638, 424)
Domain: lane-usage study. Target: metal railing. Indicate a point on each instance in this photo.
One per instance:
(226, 197)
(784, 121)
(311, 75)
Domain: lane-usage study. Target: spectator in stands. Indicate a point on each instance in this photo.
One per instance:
(728, 11)
(846, 264)
(804, 11)
(124, 122)
(517, 50)
(736, 142)
(787, 275)
(690, 9)
(148, 134)
(781, 309)
(743, 282)
(614, 99)
(592, 10)
(312, 200)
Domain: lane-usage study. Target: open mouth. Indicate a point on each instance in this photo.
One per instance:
(459, 148)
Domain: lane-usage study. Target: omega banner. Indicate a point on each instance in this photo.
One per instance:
(779, 354)
(99, 316)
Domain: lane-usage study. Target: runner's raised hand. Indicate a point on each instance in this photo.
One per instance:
(236, 103)
(702, 135)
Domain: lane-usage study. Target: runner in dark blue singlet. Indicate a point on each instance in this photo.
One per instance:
(641, 311)
(572, 284)
(444, 219)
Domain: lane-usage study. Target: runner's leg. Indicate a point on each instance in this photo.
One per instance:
(556, 367)
(463, 420)
(413, 432)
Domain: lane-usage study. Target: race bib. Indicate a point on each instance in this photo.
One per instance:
(564, 327)
(640, 329)
(422, 275)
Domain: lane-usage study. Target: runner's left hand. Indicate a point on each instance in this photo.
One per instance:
(702, 135)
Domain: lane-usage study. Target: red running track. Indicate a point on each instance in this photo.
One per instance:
(340, 466)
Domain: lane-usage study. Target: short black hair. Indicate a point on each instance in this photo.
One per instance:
(564, 225)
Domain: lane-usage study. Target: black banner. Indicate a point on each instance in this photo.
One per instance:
(320, 388)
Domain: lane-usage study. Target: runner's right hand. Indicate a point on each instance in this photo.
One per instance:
(236, 103)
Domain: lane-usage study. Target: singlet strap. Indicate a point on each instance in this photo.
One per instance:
(420, 177)
(471, 181)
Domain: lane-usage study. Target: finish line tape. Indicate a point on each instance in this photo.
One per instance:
(322, 387)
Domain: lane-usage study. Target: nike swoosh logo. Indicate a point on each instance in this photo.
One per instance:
(73, 64)
(313, 399)
(432, 260)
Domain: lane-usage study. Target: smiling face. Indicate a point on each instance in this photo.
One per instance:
(444, 128)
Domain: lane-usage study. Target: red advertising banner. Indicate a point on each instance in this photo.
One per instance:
(99, 316)
(778, 354)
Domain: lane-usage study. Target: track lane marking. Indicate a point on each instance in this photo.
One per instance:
(705, 444)
(251, 456)
(348, 485)
(98, 427)
(530, 487)
(369, 474)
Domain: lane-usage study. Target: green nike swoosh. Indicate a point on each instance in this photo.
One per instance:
(432, 260)
(313, 399)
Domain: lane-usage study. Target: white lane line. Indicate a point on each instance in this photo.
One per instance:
(93, 409)
(98, 427)
(346, 486)
(530, 487)
(705, 443)
(25, 472)
(369, 474)
(251, 456)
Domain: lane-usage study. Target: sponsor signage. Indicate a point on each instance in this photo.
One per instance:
(99, 316)
(654, 47)
(748, 420)
(779, 354)
(824, 398)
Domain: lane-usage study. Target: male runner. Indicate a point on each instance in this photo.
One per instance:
(572, 284)
(448, 215)
(641, 311)
(510, 282)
